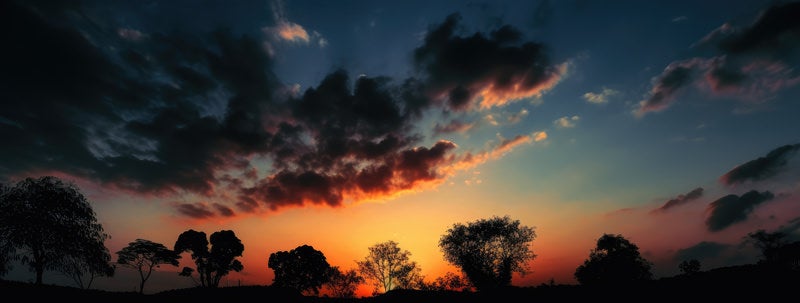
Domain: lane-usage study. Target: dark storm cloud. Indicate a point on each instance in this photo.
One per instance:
(681, 199)
(751, 62)
(188, 112)
(775, 29)
(731, 209)
(761, 168)
(483, 70)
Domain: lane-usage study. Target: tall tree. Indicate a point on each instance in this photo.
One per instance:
(85, 267)
(304, 269)
(48, 222)
(215, 263)
(489, 251)
(343, 284)
(388, 266)
(614, 261)
(145, 256)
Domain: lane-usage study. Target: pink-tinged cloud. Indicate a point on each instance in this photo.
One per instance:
(482, 71)
(680, 200)
(761, 168)
(470, 160)
(291, 32)
(130, 34)
(752, 62)
(666, 86)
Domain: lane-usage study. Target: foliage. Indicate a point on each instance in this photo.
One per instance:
(689, 267)
(145, 256)
(49, 225)
(388, 267)
(452, 282)
(304, 269)
(213, 264)
(615, 261)
(343, 284)
(489, 251)
(776, 250)
(85, 267)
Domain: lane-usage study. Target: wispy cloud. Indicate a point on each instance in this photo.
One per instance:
(680, 200)
(761, 168)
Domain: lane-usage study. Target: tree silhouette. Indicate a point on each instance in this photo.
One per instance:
(489, 251)
(776, 250)
(689, 267)
(451, 281)
(85, 267)
(304, 269)
(49, 225)
(145, 256)
(343, 284)
(213, 264)
(388, 267)
(615, 261)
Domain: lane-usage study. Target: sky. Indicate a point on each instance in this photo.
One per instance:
(343, 124)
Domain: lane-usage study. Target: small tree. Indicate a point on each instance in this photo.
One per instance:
(343, 284)
(388, 266)
(304, 269)
(489, 251)
(768, 243)
(689, 267)
(47, 223)
(145, 256)
(615, 261)
(211, 264)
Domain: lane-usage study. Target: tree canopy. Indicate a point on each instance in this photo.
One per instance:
(343, 284)
(49, 225)
(145, 256)
(614, 261)
(214, 263)
(489, 251)
(388, 267)
(304, 269)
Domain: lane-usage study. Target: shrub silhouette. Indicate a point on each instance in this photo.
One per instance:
(615, 261)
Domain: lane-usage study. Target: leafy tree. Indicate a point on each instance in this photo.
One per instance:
(48, 224)
(775, 248)
(768, 242)
(388, 266)
(343, 284)
(145, 256)
(6, 248)
(489, 251)
(689, 267)
(304, 269)
(615, 261)
(211, 264)
(85, 267)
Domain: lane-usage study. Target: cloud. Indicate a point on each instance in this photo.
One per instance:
(761, 168)
(681, 199)
(600, 97)
(195, 210)
(203, 115)
(518, 116)
(285, 30)
(701, 251)
(483, 70)
(130, 34)
(680, 19)
(751, 63)
(731, 209)
(504, 146)
(566, 122)
(454, 126)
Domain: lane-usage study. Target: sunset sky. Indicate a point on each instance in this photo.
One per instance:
(343, 124)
